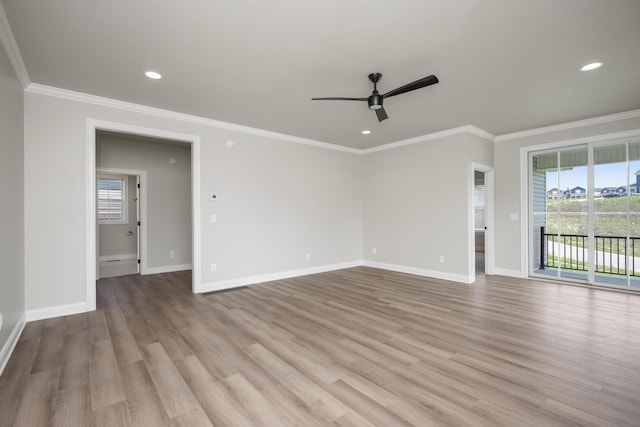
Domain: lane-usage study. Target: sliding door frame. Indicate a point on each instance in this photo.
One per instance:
(526, 237)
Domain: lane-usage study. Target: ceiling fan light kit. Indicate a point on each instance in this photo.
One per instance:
(375, 100)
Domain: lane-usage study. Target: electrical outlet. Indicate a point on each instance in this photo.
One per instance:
(214, 267)
(374, 251)
(172, 254)
(307, 256)
(441, 259)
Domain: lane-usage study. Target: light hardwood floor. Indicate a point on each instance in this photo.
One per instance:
(356, 347)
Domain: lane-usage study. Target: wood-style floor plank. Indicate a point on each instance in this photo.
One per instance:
(105, 376)
(72, 407)
(176, 396)
(145, 406)
(355, 347)
(75, 360)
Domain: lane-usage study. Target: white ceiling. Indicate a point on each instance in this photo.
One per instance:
(503, 65)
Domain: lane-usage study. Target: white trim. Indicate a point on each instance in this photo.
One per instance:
(613, 137)
(252, 280)
(509, 273)
(92, 125)
(524, 213)
(167, 114)
(111, 258)
(91, 227)
(168, 268)
(11, 47)
(143, 208)
(158, 112)
(429, 137)
(7, 349)
(461, 278)
(570, 125)
(61, 310)
(196, 226)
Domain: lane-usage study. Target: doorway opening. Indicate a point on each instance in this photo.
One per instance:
(481, 221)
(118, 216)
(191, 202)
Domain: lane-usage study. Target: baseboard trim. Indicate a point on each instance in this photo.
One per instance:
(10, 345)
(509, 273)
(107, 258)
(57, 311)
(421, 272)
(168, 268)
(252, 280)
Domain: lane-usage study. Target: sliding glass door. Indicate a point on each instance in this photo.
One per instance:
(560, 214)
(585, 214)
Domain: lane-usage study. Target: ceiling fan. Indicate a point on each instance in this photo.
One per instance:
(375, 100)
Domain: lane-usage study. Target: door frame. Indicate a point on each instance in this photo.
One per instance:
(94, 125)
(525, 185)
(141, 176)
(489, 234)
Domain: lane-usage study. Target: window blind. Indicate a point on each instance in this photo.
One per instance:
(479, 209)
(111, 199)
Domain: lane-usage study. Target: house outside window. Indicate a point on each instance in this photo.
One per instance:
(112, 197)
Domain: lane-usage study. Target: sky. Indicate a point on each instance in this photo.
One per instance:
(605, 175)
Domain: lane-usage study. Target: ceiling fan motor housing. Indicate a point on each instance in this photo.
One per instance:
(375, 101)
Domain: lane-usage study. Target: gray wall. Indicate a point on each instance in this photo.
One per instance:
(278, 200)
(12, 283)
(168, 192)
(114, 238)
(417, 205)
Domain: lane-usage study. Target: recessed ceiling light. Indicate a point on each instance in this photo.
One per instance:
(153, 75)
(591, 66)
(366, 132)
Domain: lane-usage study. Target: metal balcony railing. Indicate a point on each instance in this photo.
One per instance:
(613, 254)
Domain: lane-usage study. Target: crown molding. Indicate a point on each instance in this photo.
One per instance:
(436, 135)
(569, 125)
(10, 45)
(167, 114)
(70, 95)
(203, 121)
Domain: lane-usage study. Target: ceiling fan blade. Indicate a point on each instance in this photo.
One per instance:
(382, 115)
(338, 99)
(425, 81)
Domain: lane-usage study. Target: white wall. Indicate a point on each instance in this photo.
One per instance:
(417, 205)
(168, 192)
(510, 247)
(12, 286)
(278, 200)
